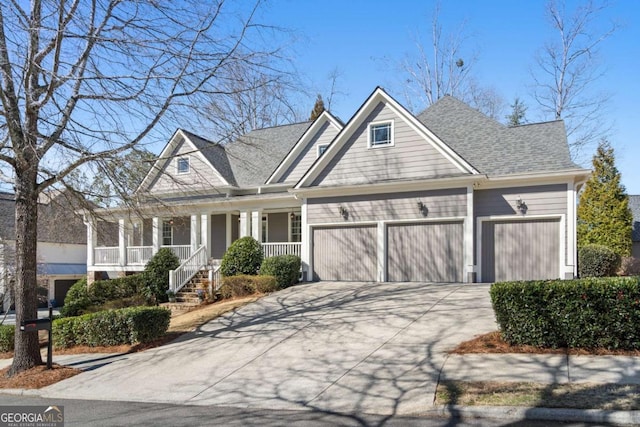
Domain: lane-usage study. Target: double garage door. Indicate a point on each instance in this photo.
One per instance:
(416, 252)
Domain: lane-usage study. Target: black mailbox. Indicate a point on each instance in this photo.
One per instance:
(35, 325)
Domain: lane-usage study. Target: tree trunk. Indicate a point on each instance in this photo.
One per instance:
(27, 348)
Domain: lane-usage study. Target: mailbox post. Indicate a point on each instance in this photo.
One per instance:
(35, 325)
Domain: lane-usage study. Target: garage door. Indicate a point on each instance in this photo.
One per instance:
(425, 252)
(520, 250)
(345, 253)
(61, 287)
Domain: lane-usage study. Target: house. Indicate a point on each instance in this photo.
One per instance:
(448, 195)
(634, 206)
(61, 246)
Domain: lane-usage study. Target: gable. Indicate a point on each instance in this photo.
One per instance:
(309, 153)
(412, 155)
(201, 175)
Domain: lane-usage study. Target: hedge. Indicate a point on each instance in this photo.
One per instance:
(7, 337)
(244, 285)
(285, 268)
(597, 261)
(111, 327)
(80, 299)
(581, 313)
(244, 256)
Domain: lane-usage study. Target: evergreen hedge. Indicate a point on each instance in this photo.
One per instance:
(81, 299)
(111, 327)
(244, 285)
(581, 313)
(244, 256)
(597, 261)
(7, 337)
(285, 268)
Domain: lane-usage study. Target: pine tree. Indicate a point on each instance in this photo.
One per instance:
(518, 112)
(604, 217)
(318, 108)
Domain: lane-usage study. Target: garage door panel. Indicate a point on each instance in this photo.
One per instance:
(425, 252)
(520, 250)
(345, 253)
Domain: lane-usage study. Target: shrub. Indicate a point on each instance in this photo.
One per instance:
(581, 313)
(156, 274)
(112, 327)
(597, 261)
(244, 285)
(285, 268)
(77, 299)
(244, 256)
(629, 266)
(7, 337)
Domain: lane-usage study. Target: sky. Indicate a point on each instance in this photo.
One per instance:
(365, 40)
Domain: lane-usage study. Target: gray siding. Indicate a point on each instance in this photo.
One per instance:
(235, 227)
(345, 253)
(147, 232)
(426, 252)
(309, 155)
(201, 174)
(540, 200)
(278, 224)
(396, 206)
(218, 235)
(635, 250)
(182, 231)
(520, 250)
(411, 157)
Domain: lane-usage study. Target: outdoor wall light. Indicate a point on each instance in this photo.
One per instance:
(292, 215)
(343, 212)
(423, 208)
(521, 205)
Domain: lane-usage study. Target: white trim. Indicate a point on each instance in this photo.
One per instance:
(562, 236)
(318, 153)
(469, 266)
(391, 142)
(306, 243)
(379, 95)
(530, 179)
(122, 242)
(229, 229)
(571, 228)
(302, 143)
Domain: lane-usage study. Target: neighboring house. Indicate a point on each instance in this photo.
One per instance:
(634, 205)
(449, 195)
(61, 246)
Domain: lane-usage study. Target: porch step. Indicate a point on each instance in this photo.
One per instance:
(179, 307)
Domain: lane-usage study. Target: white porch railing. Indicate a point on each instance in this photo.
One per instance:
(183, 252)
(139, 255)
(215, 279)
(106, 256)
(275, 249)
(181, 275)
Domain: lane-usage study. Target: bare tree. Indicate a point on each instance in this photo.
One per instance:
(442, 66)
(84, 81)
(567, 68)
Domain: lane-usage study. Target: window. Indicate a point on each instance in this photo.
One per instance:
(167, 233)
(296, 227)
(380, 134)
(182, 165)
(322, 148)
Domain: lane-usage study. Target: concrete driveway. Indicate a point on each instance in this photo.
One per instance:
(343, 347)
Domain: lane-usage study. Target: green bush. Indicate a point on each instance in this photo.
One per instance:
(597, 261)
(285, 268)
(581, 313)
(114, 293)
(244, 256)
(111, 327)
(244, 285)
(7, 337)
(156, 274)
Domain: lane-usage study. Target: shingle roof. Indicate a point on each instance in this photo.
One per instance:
(634, 205)
(215, 154)
(254, 156)
(495, 149)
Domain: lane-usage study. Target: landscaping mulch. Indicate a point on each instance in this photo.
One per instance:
(37, 377)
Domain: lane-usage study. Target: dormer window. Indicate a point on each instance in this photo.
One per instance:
(381, 134)
(322, 148)
(182, 165)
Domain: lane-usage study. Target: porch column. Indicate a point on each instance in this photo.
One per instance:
(92, 239)
(122, 242)
(571, 267)
(157, 234)
(245, 221)
(469, 266)
(229, 230)
(256, 225)
(205, 233)
(195, 232)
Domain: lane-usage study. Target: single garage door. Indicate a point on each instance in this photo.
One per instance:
(60, 289)
(425, 252)
(520, 250)
(345, 253)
